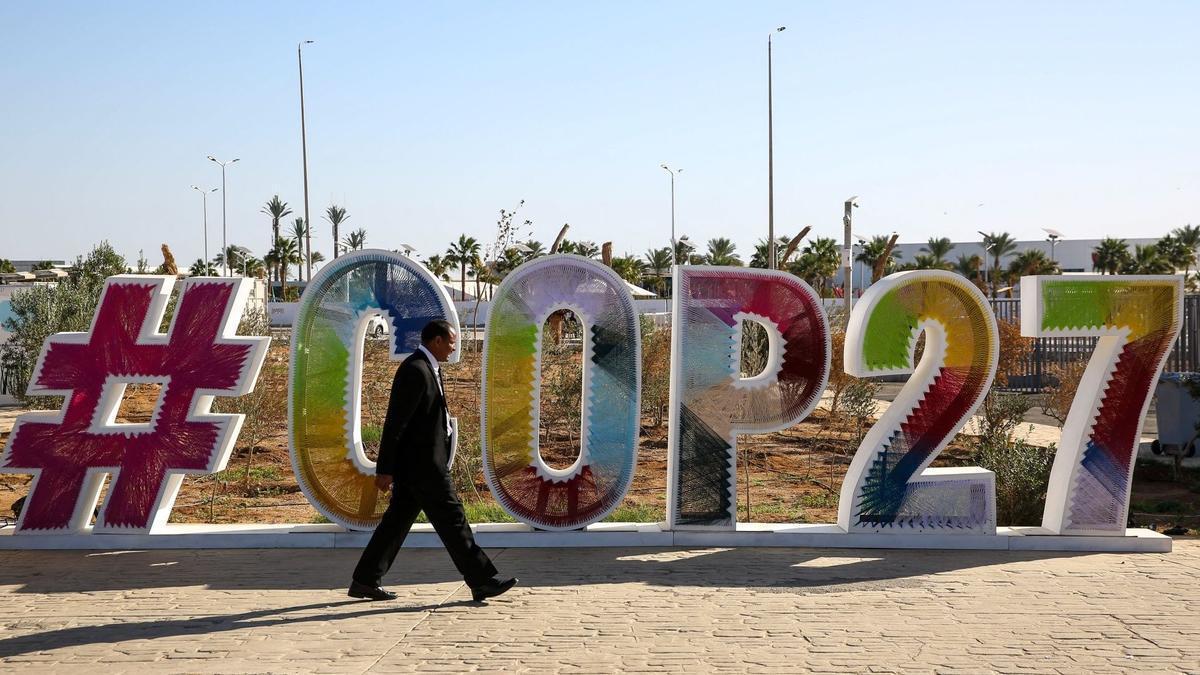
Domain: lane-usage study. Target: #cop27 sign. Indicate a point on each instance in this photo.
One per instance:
(889, 488)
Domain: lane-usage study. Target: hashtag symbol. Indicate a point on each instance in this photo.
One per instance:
(70, 452)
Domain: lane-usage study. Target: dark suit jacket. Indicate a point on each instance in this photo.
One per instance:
(414, 442)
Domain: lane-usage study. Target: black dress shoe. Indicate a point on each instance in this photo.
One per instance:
(491, 588)
(358, 590)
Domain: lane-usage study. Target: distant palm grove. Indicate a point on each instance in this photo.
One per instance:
(472, 266)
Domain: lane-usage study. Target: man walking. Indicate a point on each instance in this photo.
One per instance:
(414, 454)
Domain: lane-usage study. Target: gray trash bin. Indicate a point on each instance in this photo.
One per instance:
(1178, 413)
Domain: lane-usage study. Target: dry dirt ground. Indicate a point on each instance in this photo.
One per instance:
(793, 476)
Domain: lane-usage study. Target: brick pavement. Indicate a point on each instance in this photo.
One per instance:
(606, 610)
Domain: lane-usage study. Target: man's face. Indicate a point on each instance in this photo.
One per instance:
(442, 347)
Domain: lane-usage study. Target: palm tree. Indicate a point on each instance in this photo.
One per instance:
(683, 250)
(818, 262)
(969, 266)
(315, 258)
(461, 254)
(200, 268)
(298, 232)
(721, 251)
(278, 210)
(925, 261)
(873, 251)
(759, 258)
(939, 248)
(1146, 260)
(438, 266)
(479, 271)
(356, 240)
(336, 215)
(658, 261)
(628, 268)
(271, 260)
(587, 249)
(287, 253)
(536, 250)
(1110, 255)
(998, 245)
(232, 257)
(254, 267)
(1189, 237)
(1031, 262)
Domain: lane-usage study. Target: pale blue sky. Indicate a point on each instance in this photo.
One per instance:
(425, 119)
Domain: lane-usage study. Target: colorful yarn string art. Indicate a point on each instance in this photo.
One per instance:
(889, 487)
(595, 483)
(711, 400)
(325, 399)
(72, 451)
(1136, 320)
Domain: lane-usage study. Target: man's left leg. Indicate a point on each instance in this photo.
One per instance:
(445, 512)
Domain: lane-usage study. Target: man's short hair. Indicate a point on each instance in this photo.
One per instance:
(435, 329)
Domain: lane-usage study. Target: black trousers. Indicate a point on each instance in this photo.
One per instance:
(434, 494)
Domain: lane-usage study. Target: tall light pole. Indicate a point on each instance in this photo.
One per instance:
(862, 282)
(848, 255)
(204, 201)
(1052, 236)
(224, 230)
(673, 172)
(304, 155)
(771, 262)
(985, 243)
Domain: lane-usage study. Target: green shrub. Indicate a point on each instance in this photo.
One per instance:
(1022, 474)
(858, 400)
(46, 309)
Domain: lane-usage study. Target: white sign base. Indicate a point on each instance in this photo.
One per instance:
(611, 535)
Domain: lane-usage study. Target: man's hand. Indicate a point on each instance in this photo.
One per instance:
(383, 482)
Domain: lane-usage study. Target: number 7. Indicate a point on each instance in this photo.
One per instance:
(1137, 319)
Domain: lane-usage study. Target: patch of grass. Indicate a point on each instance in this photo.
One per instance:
(320, 519)
(818, 500)
(371, 434)
(636, 513)
(261, 473)
(479, 512)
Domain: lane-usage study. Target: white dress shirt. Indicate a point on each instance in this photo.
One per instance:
(437, 376)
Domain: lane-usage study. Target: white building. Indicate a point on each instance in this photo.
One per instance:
(1072, 255)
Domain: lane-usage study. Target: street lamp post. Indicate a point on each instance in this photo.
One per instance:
(848, 255)
(862, 282)
(204, 202)
(1052, 236)
(224, 229)
(304, 155)
(674, 258)
(771, 261)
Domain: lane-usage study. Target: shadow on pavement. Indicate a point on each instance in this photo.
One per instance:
(199, 626)
(50, 572)
(781, 570)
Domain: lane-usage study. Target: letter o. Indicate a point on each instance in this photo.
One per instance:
(324, 386)
(595, 484)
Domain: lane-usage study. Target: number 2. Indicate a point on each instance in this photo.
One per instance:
(888, 488)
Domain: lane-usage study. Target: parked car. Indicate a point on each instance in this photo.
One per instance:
(377, 327)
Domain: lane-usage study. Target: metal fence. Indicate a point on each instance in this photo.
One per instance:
(8, 381)
(1032, 374)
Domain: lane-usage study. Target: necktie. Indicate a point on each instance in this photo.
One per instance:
(445, 407)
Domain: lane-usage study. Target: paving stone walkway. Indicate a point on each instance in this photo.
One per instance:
(606, 610)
